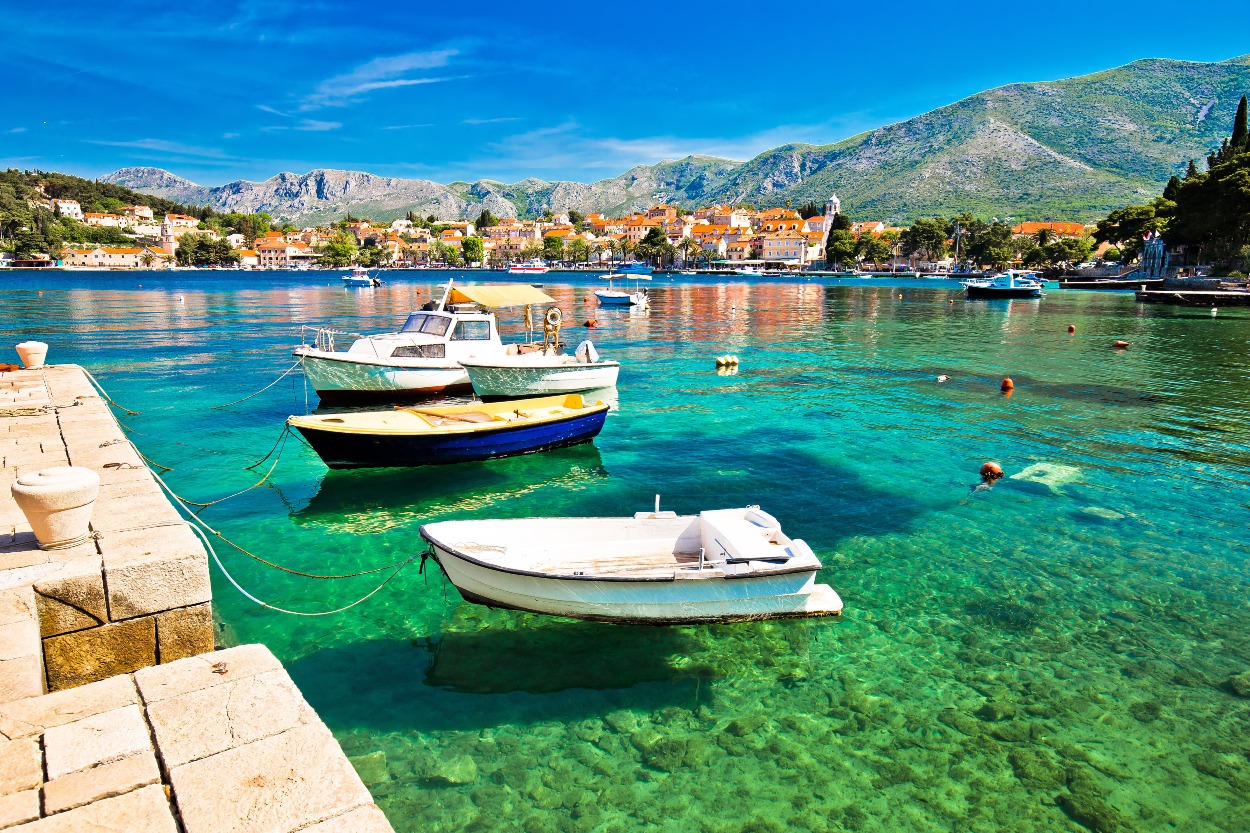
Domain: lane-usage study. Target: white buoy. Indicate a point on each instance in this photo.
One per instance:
(943, 378)
(1214, 310)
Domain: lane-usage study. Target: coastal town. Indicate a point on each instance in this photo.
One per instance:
(710, 237)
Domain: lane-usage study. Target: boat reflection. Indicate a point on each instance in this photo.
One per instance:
(377, 500)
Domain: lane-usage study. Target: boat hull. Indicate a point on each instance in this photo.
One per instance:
(641, 602)
(337, 379)
(612, 298)
(991, 292)
(502, 381)
(341, 450)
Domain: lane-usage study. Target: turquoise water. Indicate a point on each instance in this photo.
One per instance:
(1051, 654)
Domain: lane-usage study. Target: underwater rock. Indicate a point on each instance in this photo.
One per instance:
(995, 710)
(623, 721)
(1147, 711)
(1090, 810)
(745, 725)
(371, 768)
(1052, 475)
(1102, 513)
(1240, 684)
(461, 769)
(1012, 731)
(1037, 768)
(960, 722)
(544, 797)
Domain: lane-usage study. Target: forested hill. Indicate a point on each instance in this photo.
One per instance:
(1058, 150)
(92, 195)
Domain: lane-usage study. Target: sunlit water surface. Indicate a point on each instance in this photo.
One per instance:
(1056, 653)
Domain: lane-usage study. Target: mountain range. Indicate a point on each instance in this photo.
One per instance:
(1057, 150)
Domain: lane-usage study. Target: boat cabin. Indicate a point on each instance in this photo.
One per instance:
(435, 335)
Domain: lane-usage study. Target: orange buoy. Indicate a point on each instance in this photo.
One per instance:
(991, 472)
(1071, 329)
(1007, 384)
(591, 323)
(1120, 345)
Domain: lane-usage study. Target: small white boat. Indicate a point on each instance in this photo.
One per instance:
(542, 373)
(612, 297)
(724, 565)
(1014, 283)
(360, 277)
(749, 272)
(533, 267)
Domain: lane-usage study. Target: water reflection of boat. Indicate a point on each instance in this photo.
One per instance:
(724, 565)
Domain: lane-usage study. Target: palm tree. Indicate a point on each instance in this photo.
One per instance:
(690, 249)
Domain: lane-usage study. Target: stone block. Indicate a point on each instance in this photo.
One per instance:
(185, 632)
(17, 604)
(104, 781)
(237, 712)
(361, 820)
(86, 656)
(96, 740)
(35, 715)
(152, 570)
(17, 808)
(72, 597)
(21, 661)
(145, 810)
(199, 672)
(21, 765)
(275, 785)
(134, 505)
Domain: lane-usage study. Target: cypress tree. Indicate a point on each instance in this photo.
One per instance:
(1192, 171)
(1241, 135)
(1169, 190)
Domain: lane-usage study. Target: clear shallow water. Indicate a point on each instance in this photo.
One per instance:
(1034, 658)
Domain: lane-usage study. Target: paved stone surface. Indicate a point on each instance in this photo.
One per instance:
(96, 740)
(104, 781)
(19, 807)
(151, 570)
(21, 655)
(361, 820)
(164, 681)
(275, 785)
(21, 765)
(84, 656)
(142, 811)
(34, 715)
(212, 720)
(71, 597)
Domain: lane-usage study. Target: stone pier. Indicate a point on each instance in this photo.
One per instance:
(147, 726)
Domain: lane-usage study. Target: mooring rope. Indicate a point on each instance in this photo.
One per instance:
(276, 460)
(103, 393)
(285, 373)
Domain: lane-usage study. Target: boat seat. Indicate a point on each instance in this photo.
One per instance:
(735, 537)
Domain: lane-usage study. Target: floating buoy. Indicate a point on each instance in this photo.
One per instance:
(1120, 345)
(991, 472)
(1007, 384)
(951, 301)
(1071, 329)
(1213, 309)
(726, 361)
(41, 292)
(591, 323)
(900, 297)
(944, 378)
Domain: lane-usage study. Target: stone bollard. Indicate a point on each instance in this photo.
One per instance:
(57, 503)
(32, 354)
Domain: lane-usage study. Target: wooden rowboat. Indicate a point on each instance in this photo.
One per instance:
(450, 434)
(654, 568)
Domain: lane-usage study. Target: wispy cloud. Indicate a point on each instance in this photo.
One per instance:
(171, 148)
(379, 74)
(499, 120)
(16, 130)
(406, 126)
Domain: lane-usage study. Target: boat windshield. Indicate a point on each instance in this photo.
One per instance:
(424, 322)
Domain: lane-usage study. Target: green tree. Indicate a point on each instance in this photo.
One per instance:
(370, 254)
(473, 249)
(871, 249)
(553, 249)
(654, 247)
(579, 250)
(840, 247)
(28, 242)
(576, 218)
(340, 251)
(485, 220)
(927, 238)
(1127, 227)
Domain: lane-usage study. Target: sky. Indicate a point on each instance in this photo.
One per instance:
(219, 91)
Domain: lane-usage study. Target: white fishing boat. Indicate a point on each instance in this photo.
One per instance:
(749, 272)
(613, 297)
(361, 277)
(532, 267)
(657, 567)
(423, 357)
(542, 373)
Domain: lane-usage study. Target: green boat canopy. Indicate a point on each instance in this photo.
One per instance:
(500, 296)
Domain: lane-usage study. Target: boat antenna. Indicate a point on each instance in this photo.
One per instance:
(442, 305)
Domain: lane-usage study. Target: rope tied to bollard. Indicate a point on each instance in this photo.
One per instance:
(285, 373)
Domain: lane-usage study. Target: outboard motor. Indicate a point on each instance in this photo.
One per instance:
(586, 353)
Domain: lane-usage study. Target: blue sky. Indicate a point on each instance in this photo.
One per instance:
(222, 91)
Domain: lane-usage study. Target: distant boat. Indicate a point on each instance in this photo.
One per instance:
(1010, 284)
(634, 268)
(655, 568)
(612, 297)
(533, 267)
(360, 277)
(749, 272)
(450, 434)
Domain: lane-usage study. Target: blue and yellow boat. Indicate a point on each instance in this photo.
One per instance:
(452, 433)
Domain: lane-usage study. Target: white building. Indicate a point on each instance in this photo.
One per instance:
(68, 208)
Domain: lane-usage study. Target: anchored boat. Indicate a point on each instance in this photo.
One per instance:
(361, 277)
(541, 373)
(612, 297)
(657, 567)
(423, 357)
(452, 433)
(1010, 284)
(533, 267)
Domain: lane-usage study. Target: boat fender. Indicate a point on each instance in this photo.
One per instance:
(990, 473)
(554, 316)
(1071, 329)
(591, 323)
(762, 519)
(1007, 384)
(586, 353)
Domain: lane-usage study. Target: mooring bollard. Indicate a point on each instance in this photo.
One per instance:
(57, 503)
(32, 354)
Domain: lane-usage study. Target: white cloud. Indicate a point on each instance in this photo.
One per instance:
(378, 74)
(171, 148)
(17, 130)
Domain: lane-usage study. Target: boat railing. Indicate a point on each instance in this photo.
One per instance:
(325, 339)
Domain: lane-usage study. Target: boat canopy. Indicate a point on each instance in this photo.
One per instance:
(624, 276)
(499, 296)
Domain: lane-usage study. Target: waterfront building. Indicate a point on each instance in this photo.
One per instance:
(102, 257)
(788, 245)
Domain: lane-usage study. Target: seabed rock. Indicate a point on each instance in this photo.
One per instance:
(1052, 475)
(371, 768)
(1240, 684)
(461, 769)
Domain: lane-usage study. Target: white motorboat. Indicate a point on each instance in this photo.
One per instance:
(723, 565)
(533, 267)
(612, 297)
(423, 357)
(1014, 283)
(749, 272)
(361, 277)
(541, 373)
